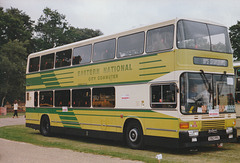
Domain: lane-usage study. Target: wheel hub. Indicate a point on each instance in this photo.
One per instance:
(133, 135)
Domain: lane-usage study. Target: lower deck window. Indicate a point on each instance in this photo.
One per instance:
(62, 98)
(81, 98)
(46, 98)
(163, 96)
(103, 97)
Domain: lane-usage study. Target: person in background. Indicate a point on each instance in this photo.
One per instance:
(15, 108)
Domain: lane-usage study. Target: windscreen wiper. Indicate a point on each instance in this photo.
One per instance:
(222, 76)
(206, 82)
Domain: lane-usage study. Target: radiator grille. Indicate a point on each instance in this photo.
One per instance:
(206, 125)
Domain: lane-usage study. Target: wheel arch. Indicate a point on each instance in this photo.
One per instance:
(43, 116)
(129, 120)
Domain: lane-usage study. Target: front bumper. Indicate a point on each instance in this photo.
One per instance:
(206, 137)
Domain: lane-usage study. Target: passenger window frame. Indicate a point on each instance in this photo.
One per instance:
(162, 104)
(126, 37)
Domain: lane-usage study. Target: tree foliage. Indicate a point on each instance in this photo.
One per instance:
(15, 25)
(52, 30)
(12, 71)
(15, 35)
(235, 39)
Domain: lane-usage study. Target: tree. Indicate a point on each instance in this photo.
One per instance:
(52, 30)
(15, 35)
(77, 34)
(12, 71)
(235, 39)
(14, 25)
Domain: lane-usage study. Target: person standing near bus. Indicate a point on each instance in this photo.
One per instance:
(15, 108)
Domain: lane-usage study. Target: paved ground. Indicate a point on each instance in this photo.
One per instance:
(12, 151)
(12, 121)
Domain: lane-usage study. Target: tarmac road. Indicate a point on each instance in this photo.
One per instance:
(12, 151)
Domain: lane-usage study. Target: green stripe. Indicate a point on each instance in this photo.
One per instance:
(151, 67)
(50, 79)
(153, 73)
(47, 75)
(150, 61)
(65, 113)
(66, 78)
(66, 82)
(72, 126)
(54, 79)
(67, 118)
(52, 83)
(70, 123)
(65, 73)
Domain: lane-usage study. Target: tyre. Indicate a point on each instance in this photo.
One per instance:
(45, 126)
(134, 135)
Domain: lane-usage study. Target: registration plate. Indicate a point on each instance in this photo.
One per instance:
(213, 138)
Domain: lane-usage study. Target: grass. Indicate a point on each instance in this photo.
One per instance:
(11, 114)
(228, 153)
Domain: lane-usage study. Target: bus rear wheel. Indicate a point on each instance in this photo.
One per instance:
(45, 126)
(134, 135)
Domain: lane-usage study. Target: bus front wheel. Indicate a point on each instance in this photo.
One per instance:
(134, 135)
(45, 126)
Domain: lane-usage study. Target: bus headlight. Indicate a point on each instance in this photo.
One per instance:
(229, 130)
(193, 133)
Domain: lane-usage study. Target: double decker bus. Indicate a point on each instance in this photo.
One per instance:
(169, 84)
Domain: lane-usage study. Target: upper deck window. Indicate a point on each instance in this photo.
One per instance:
(131, 45)
(160, 39)
(202, 36)
(47, 61)
(82, 54)
(63, 58)
(34, 64)
(104, 50)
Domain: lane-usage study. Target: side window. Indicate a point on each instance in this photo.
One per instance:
(130, 45)
(104, 50)
(46, 98)
(160, 39)
(163, 96)
(36, 99)
(103, 97)
(193, 35)
(63, 58)
(62, 98)
(82, 54)
(34, 64)
(47, 61)
(81, 98)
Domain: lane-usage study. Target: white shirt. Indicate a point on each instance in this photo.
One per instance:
(15, 106)
(205, 95)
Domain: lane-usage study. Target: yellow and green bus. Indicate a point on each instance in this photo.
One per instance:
(169, 84)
